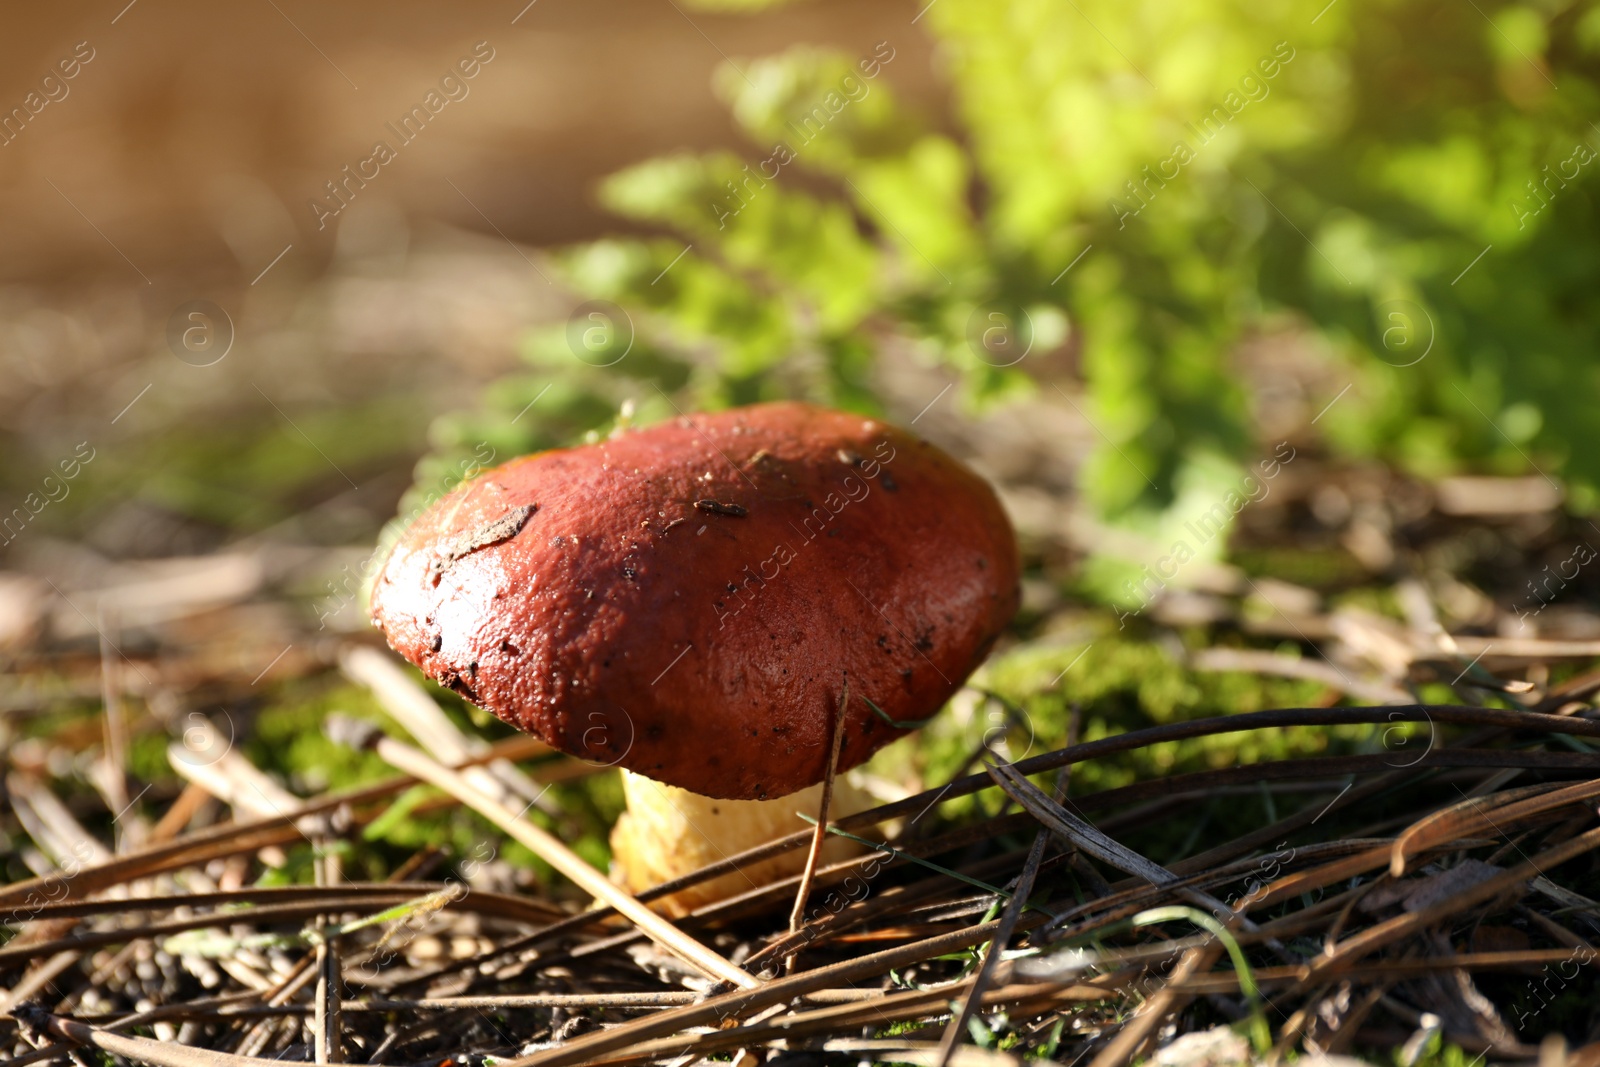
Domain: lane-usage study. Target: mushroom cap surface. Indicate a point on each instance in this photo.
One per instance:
(688, 600)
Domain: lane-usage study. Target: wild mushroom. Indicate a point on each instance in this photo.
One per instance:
(690, 602)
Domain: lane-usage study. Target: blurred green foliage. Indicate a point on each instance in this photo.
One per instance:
(1137, 189)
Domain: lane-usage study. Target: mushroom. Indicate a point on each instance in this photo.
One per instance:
(693, 601)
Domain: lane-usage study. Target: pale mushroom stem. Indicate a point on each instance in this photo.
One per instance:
(668, 832)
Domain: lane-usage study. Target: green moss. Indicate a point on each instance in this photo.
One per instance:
(248, 470)
(147, 759)
(1380, 600)
(1122, 682)
(288, 736)
(69, 715)
(1316, 568)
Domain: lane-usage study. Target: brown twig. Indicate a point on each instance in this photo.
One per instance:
(797, 916)
(139, 1049)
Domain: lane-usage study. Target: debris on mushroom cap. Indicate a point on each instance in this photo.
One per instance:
(688, 600)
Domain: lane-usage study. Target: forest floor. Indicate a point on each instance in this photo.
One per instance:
(1333, 794)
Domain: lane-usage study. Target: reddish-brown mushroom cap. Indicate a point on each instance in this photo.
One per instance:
(689, 600)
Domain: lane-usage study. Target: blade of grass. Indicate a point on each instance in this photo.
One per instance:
(563, 859)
